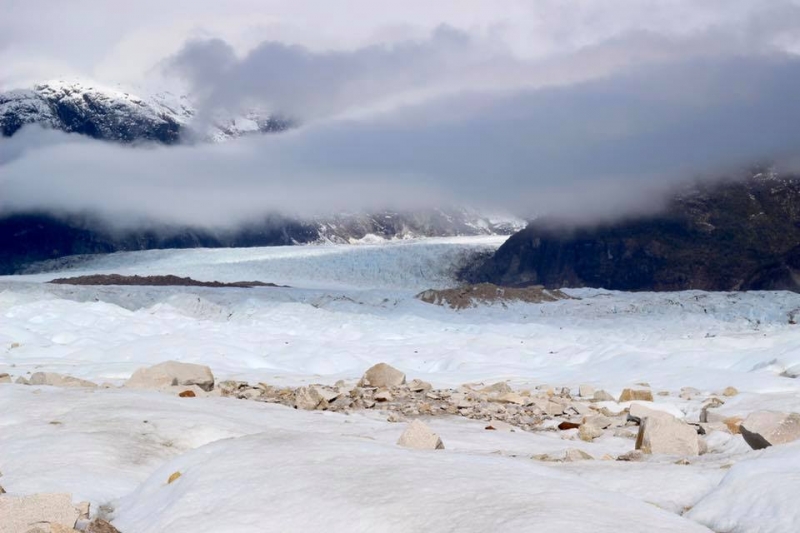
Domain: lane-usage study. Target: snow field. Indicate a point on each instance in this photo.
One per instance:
(248, 466)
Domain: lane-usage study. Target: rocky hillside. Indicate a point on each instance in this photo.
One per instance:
(727, 235)
(28, 239)
(115, 115)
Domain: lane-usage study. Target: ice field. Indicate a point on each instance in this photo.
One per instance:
(250, 466)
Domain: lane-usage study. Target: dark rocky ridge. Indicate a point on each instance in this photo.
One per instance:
(726, 235)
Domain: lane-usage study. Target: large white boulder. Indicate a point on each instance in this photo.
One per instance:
(420, 437)
(383, 375)
(667, 435)
(172, 373)
(768, 428)
(58, 380)
(19, 514)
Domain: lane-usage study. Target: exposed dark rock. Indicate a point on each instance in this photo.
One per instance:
(155, 281)
(729, 235)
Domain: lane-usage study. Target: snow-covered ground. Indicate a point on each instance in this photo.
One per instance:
(249, 466)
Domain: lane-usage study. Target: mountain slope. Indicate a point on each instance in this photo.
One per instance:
(115, 115)
(730, 235)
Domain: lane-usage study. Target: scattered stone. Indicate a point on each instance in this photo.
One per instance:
(98, 525)
(631, 456)
(394, 417)
(383, 396)
(487, 294)
(730, 391)
(603, 396)
(706, 412)
(498, 425)
(187, 394)
(417, 385)
(59, 380)
(574, 454)
(769, 428)
(22, 381)
(2, 490)
(419, 436)
(629, 395)
(172, 373)
(598, 421)
(18, 513)
(733, 423)
(308, 398)
(589, 433)
(586, 391)
(501, 387)
(382, 375)
(173, 477)
(638, 412)
(5, 378)
(565, 425)
(663, 393)
(687, 393)
(625, 433)
(668, 436)
(83, 510)
(512, 397)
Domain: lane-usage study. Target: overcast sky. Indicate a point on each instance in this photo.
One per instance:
(583, 107)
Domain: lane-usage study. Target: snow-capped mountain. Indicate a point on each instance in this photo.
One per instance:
(117, 115)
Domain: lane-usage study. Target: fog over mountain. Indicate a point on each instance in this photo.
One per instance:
(482, 112)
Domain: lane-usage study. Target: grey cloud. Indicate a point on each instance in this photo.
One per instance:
(294, 80)
(598, 148)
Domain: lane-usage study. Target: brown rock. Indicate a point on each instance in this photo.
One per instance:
(173, 477)
(98, 525)
(629, 395)
(383, 375)
(565, 425)
(768, 428)
(187, 394)
(730, 391)
(420, 437)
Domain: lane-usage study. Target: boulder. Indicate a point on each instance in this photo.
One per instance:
(382, 375)
(598, 421)
(629, 395)
(5, 378)
(586, 391)
(639, 412)
(501, 387)
(59, 380)
(172, 373)
(667, 435)
(512, 397)
(420, 437)
(589, 433)
(417, 385)
(730, 391)
(602, 396)
(499, 425)
(98, 525)
(574, 454)
(383, 395)
(308, 398)
(19, 513)
(768, 428)
(687, 393)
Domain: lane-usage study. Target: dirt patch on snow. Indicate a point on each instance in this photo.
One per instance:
(487, 293)
(158, 281)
